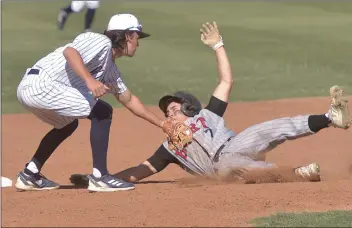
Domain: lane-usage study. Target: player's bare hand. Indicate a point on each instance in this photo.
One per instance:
(97, 88)
(166, 125)
(210, 35)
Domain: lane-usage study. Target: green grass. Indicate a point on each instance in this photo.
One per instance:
(323, 219)
(277, 49)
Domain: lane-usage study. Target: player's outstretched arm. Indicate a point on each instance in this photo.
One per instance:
(210, 36)
(156, 163)
(132, 103)
(171, 128)
(137, 173)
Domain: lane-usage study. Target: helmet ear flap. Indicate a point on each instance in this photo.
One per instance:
(188, 109)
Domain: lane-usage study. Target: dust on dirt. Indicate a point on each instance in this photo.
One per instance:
(255, 176)
(158, 201)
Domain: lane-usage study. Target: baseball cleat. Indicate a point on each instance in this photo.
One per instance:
(61, 19)
(108, 183)
(338, 112)
(35, 182)
(310, 172)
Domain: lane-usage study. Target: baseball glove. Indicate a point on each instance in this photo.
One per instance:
(179, 134)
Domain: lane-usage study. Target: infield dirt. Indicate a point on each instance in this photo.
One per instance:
(173, 197)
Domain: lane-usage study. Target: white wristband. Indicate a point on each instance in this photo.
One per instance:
(219, 44)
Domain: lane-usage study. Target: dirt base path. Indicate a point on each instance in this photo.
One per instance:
(172, 198)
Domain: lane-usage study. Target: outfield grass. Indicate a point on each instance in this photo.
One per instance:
(324, 219)
(278, 49)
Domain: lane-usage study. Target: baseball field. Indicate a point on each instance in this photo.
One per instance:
(285, 56)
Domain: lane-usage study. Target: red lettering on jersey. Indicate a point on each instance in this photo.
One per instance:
(202, 121)
(204, 125)
(194, 128)
(182, 153)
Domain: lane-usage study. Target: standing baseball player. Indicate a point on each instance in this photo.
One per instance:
(76, 7)
(215, 150)
(65, 85)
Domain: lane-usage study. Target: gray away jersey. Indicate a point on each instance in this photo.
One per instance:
(96, 52)
(209, 134)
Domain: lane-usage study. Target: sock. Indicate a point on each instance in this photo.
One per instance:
(89, 18)
(68, 9)
(96, 173)
(99, 139)
(318, 122)
(48, 145)
(33, 167)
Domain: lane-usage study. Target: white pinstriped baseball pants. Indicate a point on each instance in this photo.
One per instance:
(77, 6)
(53, 103)
(249, 147)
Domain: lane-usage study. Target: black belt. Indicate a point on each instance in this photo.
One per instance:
(33, 71)
(218, 152)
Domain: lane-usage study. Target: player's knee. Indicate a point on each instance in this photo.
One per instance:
(69, 129)
(72, 127)
(101, 111)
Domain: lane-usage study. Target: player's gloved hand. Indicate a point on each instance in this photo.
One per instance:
(210, 35)
(97, 88)
(178, 133)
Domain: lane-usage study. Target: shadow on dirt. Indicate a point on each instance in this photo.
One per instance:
(80, 181)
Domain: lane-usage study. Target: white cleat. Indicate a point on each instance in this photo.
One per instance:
(310, 172)
(338, 112)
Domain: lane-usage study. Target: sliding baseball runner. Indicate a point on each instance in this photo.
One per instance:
(215, 151)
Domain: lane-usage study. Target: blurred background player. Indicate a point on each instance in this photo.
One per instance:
(76, 7)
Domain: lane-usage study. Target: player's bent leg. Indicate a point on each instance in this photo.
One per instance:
(30, 179)
(89, 17)
(234, 167)
(61, 107)
(261, 138)
(255, 141)
(50, 142)
(89, 20)
(248, 148)
(63, 15)
(101, 180)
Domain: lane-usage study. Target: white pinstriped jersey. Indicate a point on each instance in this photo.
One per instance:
(58, 96)
(96, 52)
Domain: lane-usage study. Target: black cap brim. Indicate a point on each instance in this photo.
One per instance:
(166, 100)
(143, 35)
